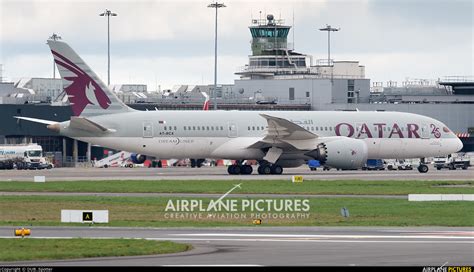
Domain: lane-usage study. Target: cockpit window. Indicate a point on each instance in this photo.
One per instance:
(445, 129)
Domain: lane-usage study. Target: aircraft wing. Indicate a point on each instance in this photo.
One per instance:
(280, 129)
(284, 136)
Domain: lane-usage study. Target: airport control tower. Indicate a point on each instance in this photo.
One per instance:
(271, 53)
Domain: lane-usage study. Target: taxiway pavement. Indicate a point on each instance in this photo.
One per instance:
(220, 173)
(281, 246)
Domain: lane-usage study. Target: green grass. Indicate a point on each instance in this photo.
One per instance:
(48, 249)
(150, 212)
(356, 187)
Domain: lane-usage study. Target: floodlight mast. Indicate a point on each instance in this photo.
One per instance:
(54, 37)
(215, 5)
(329, 29)
(108, 13)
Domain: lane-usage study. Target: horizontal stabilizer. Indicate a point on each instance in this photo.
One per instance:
(36, 120)
(83, 123)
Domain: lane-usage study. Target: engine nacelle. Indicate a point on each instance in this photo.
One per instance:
(137, 158)
(346, 153)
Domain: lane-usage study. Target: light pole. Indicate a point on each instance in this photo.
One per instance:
(216, 6)
(108, 13)
(54, 37)
(328, 28)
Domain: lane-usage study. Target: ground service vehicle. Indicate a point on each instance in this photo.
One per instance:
(452, 163)
(23, 156)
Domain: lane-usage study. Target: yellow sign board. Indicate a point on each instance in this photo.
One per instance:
(257, 221)
(297, 179)
(87, 216)
(22, 232)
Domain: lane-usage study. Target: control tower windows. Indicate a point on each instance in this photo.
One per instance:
(269, 32)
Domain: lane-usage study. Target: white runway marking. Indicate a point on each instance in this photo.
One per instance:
(304, 239)
(227, 265)
(326, 236)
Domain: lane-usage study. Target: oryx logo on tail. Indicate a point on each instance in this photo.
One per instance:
(83, 90)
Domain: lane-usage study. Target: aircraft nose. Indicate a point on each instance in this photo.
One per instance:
(459, 145)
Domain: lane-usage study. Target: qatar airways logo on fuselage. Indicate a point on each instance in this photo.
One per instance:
(381, 129)
(83, 90)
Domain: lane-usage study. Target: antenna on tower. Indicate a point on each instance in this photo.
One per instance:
(293, 29)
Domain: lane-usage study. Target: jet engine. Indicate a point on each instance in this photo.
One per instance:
(137, 158)
(344, 153)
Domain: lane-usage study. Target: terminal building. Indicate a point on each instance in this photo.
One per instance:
(276, 77)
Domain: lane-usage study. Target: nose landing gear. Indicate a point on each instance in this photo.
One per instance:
(422, 168)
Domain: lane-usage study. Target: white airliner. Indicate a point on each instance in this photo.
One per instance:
(276, 139)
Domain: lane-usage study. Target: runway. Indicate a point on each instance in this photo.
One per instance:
(281, 246)
(220, 173)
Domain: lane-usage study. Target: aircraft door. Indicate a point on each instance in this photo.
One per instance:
(359, 131)
(425, 131)
(232, 129)
(147, 129)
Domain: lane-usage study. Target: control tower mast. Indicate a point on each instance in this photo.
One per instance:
(271, 53)
(269, 37)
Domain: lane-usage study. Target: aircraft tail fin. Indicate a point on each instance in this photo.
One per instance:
(206, 102)
(87, 94)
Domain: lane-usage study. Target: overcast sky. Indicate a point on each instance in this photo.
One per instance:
(172, 42)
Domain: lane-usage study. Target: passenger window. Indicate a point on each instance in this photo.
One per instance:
(326, 128)
(207, 128)
(199, 128)
(189, 127)
(222, 128)
(164, 127)
(203, 128)
(253, 128)
(175, 128)
(330, 128)
(249, 128)
(212, 128)
(194, 128)
(184, 127)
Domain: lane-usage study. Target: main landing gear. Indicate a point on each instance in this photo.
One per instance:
(423, 168)
(267, 169)
(264, 168)
(236, 169)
